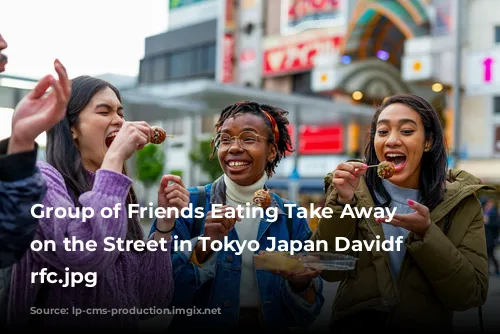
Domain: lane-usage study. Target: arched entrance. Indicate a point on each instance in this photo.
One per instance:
(371, 54)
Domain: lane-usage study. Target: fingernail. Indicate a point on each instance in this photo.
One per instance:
(364, 165)
(410, 202)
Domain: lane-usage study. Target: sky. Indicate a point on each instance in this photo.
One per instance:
(89, 37)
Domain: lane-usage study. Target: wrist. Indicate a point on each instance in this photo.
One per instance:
(300, 287)
(17, 145)
(201, 254)
(345, 201)
(113, 161)
(164, 224)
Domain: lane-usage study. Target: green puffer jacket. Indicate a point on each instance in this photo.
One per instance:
(439, 274)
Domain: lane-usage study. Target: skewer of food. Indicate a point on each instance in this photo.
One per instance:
(159, 136)
(385, 169)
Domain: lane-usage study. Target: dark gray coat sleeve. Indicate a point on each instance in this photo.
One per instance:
(21, 186)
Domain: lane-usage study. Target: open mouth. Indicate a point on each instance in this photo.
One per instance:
(110, 138)
(237, 165)
(398, 159)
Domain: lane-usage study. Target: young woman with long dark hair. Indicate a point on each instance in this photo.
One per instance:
(82, 171)
(441, 265)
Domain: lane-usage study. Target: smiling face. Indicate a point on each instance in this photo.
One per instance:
(101, 119)
(400, 139)
(246, 166)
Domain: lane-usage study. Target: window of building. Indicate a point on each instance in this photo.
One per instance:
(159, 69)
(496, 105)
(301, 83)
(208, 123)
(497, 34)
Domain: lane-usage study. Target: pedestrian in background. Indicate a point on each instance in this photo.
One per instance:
(491, 226)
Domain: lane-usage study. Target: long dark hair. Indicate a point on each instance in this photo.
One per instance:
(434, 164)
(63, 154)
(284, 143)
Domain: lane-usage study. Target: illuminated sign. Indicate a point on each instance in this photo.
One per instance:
(296, 57)
(483, 73)
(300, 15)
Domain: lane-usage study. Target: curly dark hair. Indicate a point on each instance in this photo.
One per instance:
(284, 143)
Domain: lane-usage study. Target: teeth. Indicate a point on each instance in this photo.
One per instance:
(237, 163)
(395, 155)
(112, 135)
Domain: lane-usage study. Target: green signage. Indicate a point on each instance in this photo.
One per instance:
(173, 4)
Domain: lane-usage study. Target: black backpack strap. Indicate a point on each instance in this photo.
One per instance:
(289, 224)
(202, 197)
(289, 218)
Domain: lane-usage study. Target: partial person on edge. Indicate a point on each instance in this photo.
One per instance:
(21, 184)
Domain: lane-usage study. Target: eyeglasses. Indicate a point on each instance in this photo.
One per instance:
(246, 140)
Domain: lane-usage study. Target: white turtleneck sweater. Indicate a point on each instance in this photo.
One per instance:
(246, 229)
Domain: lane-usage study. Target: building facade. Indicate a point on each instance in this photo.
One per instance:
(335, 59)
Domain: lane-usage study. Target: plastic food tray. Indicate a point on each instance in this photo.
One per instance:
(327, 261)
(318, 260)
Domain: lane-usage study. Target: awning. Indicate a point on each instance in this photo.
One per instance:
(306, 185)
(488, 170)
(205, 97)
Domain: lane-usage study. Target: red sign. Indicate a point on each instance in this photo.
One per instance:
(297, 57)
(299, 9)
(228, 58)
(325, 139)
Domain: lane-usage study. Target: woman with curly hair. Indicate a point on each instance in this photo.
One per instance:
(251, 139)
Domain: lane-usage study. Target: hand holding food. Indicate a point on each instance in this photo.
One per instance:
(346, 178)
(158, 137)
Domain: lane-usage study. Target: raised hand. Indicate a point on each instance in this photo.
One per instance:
(346, 179)
(216, 227)
(38, 112)
(174, 195)
(132, 137)
(417, 222)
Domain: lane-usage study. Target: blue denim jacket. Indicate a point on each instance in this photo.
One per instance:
(219, 285)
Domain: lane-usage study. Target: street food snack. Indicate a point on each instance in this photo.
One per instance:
(159, 135)
(262, 198)
(277, 261)
(386, 169)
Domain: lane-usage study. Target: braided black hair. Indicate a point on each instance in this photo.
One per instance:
(284, 143)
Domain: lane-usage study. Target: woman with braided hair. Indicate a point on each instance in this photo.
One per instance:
(251, 139)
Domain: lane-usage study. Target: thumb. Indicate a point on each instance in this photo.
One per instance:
(420, 208)
(42, 86)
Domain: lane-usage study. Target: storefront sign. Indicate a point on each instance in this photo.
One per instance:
(183, 13)
(297, 57)
(416, 68)
(327, 139)
(483, 73)
(228, 58)
(173, 4)
(299, 15)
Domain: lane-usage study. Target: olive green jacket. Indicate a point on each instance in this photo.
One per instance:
(439, 274)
